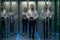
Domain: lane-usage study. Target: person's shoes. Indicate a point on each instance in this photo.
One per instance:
(23, 34)
(45, 38)
(12, 34)
(29, 36)
(33, 37)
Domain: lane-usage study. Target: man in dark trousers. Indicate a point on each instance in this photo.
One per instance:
(3, 16)
(50, 21)
(12, 21)
(45, 14)
(32, 17)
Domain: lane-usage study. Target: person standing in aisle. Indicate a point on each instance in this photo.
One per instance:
(12, 21)
(3, 16)
(50, 21)
(45, 16)
(24, 21)
(32, 18)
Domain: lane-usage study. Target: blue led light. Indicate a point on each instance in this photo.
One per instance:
(38, 36)
(17, 38)
(57, 34)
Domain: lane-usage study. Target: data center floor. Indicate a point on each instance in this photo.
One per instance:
(37, 37)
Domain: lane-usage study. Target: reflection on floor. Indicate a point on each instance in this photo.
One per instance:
(37, 37)
(18, 37)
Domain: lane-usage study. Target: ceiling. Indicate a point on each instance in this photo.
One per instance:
(26, 0)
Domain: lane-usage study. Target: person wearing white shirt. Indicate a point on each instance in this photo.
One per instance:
(3, 16)
(45, 15)
(24, 21)
(32, 17)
